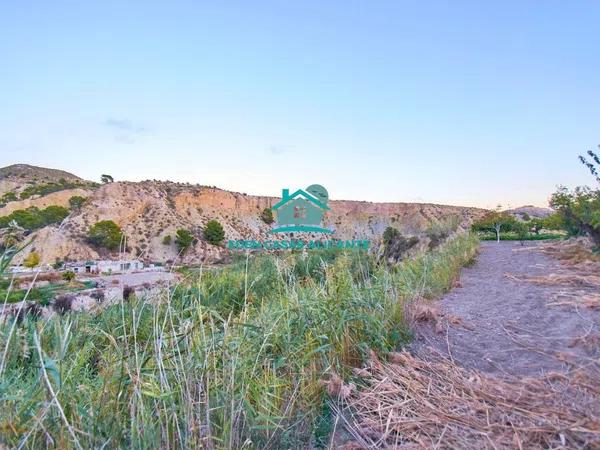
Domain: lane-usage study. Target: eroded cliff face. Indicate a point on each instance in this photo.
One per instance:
(150, 210)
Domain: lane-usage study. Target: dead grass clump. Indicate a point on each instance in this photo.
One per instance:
(587, 300)
(571, 252)
(436, 404)
(420, 312)
(556, 279)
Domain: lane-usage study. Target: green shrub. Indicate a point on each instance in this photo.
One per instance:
(267, 216)
(106, 234)
(33, 218)
(76, 202)
(184, 239)
(31, 260)
(167, 240)
(213, 232)
(69, 275)
(48, 188)
(9, 197)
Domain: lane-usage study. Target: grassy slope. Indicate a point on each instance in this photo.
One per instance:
(231, 361)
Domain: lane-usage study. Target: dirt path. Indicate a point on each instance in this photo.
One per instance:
(498, 319)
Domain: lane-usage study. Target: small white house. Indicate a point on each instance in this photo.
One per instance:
(105, 266)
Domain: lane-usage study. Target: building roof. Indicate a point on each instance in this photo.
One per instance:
(302, 193)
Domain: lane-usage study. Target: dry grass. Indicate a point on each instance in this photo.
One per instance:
(413, 403)
(560, 279)
(580, 273)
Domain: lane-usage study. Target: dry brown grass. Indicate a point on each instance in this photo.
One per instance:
(413, 403)
(559, 279)
(579, 275)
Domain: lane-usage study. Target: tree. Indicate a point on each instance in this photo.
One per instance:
(32, 260)
(105, 234)
(184, 239)
(522, 231)
(552, 222)
(267, 216)
(213, 232)
(495, 221)
(76, 202)
(591, 165)
(167, 240)
(579, 210)
(106, 179)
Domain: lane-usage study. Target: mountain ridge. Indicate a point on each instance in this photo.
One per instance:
(147, 211)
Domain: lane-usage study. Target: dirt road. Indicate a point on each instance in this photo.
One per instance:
(508, 315)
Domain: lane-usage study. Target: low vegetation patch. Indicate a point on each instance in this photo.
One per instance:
(48, 188)
(33, 218)
(232, 359)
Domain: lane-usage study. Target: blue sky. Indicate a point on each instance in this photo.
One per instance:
(468, 103)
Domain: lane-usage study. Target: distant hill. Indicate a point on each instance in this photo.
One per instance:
(25, 172)
(531, 211)
(148, 211)
(25, 182)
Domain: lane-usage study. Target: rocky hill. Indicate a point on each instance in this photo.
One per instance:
(534, 212)
(25, 182)
(150, 210)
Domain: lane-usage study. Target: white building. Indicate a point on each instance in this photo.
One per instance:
(105, 266)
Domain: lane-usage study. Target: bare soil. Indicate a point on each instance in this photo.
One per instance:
(517, 311)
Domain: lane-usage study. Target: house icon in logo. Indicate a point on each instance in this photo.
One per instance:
(302, 211)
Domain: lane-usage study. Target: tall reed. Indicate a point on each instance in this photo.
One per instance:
(232, 359)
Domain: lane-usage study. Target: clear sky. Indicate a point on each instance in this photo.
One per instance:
(472, 103)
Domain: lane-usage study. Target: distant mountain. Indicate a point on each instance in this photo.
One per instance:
(148, 211)
(531, 211)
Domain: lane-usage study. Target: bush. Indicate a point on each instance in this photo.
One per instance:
(76, 202)
(105, 234)
(32, 260)
(9, 197)
(397, 246)
(63, 303)
(213, 232)
(267, 216)
(68, 276)
(184, 239)
(167, 240)
(98, 295)
(128, 291)
(33, 218)
(389, 234)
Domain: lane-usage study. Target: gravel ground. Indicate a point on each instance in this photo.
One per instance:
(505, 326)
(135, 278)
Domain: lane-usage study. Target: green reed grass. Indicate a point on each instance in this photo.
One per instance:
(231, 359)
